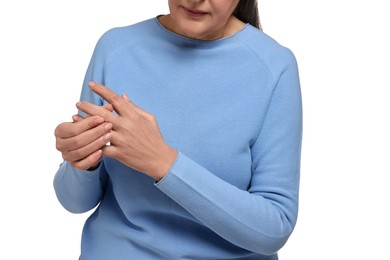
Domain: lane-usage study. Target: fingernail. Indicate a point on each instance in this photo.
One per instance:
(78, 104)
(99, 120)
(125, 97)
(107, 137)
(91, 84)
(99, 154)
(108, 126)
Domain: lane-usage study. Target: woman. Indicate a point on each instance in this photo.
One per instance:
(188, 139)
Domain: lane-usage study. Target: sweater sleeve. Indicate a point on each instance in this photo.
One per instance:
(80, 191)
(261, 218)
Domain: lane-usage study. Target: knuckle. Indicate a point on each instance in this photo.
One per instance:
(59, 146)
(91, 121)
(77, 154)
(58, 129)
(66, 157)
(149, 117)
(77, 142)
(106, 113)
(71, 131)
(115, 98)
(65, 130)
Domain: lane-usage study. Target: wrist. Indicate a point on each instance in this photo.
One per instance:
(164, 164)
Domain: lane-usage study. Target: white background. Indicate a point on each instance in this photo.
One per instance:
(342, 48)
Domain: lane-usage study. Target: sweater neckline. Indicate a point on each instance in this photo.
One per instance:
(196, 43)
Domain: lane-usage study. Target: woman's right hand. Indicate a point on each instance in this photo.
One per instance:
(82, 140)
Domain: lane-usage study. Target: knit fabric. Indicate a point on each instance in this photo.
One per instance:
(232, 109)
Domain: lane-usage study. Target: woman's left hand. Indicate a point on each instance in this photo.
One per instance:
(136, 138)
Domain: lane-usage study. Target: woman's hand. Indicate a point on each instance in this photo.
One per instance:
(82, 140)
(135, 138)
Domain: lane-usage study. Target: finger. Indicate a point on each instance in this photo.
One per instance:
(110, 151)
(119, 104)
(67, 130)
(108, 107)
(77, 118)
(85, 151)
(66, 145)
(129, 102)
(137, 109)
(89, 162)
(126, 97)
(95, 110)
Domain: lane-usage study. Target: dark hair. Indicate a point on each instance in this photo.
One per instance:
(248, 12)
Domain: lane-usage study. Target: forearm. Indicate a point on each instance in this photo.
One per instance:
(77, 191)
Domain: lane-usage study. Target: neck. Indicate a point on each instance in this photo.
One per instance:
(232, 26)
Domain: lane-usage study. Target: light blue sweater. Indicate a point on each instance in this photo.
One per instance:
(232, 108)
